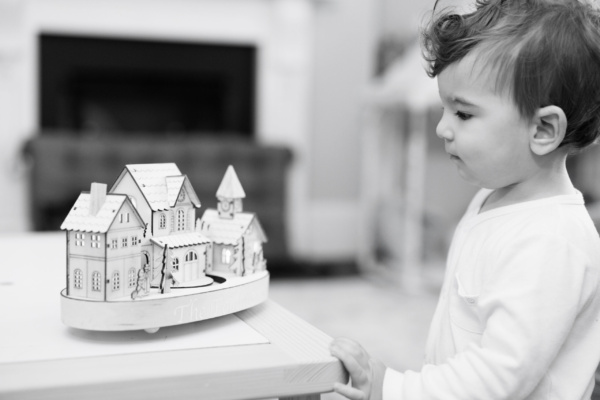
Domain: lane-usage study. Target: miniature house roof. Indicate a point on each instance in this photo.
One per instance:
(80, 218)
(180, 240)
(230, 187)
(174, 186)
(229, 231)
(160, 184)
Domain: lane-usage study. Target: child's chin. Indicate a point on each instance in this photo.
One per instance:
(467, 177)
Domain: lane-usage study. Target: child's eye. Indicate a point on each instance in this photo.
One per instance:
(462, 115)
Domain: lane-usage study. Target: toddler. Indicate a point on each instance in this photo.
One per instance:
(519, 311)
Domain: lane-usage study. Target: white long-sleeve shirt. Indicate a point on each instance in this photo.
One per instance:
(519, 310)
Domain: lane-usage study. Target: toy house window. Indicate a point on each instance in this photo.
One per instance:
(134, 240)
(96, 241)
(257, 252)
(80, 239)
(116, 281)
(124, 217)
(124, 242)
(191, 256)
(114, 244)
(180, 220)
(226, 256)
(77, 279)
(176, 264)
(96, 281)
(163, 221)
(131, 277)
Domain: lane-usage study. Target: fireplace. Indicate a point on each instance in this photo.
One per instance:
(107, 86)
(277, 36)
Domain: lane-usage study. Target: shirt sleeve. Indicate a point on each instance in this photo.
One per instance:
(527, 305)
(392, 384)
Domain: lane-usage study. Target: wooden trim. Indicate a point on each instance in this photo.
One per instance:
(296, 362)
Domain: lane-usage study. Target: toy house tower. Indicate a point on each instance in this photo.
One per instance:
(236, 236)
(230, 195)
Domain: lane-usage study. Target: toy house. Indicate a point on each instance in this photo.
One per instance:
(105, 232)
(236, 236)
(166, 200)
(126, 250)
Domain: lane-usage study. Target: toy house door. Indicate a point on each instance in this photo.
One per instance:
(191, 267)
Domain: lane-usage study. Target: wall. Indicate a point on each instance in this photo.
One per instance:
(345, 46)
(403, 17)
(342, 62)
(13, 203)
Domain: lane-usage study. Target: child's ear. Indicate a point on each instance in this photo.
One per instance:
(550, 125)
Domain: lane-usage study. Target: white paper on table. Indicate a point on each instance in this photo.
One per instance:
(31, 327)
(46, 338)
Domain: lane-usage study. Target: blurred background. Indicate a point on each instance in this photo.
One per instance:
(288, 91)
(322, 106)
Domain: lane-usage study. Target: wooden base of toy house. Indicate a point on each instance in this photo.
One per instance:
(228, 294)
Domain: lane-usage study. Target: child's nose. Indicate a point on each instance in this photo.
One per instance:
(443, 130)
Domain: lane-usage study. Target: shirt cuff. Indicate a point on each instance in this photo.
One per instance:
(392, 385)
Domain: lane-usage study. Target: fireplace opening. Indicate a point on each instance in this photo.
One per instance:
(106, 86)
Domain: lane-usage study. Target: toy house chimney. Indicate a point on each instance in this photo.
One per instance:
(97, 197)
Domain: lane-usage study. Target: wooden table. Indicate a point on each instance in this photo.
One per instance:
(293, 362)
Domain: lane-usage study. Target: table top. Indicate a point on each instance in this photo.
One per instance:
(282, 356)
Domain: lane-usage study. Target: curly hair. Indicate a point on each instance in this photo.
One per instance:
(543, 52)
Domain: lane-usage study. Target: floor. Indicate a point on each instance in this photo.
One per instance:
(390, 322)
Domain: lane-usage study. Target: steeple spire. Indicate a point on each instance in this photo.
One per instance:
(230, 194)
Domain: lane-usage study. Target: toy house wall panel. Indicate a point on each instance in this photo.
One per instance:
(124, 218)
(253, 253)
(85, 244)
(126, 185)
(122, 276)
(162, 223)
(208, 258)
(183, 218)
(189, 262)
(86, 278)
(124, 242)
(152, 256)
(187, 252)
(190, 219)
(225, 258)
(184, 203)
(156, 265)
(78, 278)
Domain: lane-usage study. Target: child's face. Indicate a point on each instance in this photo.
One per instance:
(484, 133)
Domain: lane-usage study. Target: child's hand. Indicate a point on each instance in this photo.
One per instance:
(366, 373)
